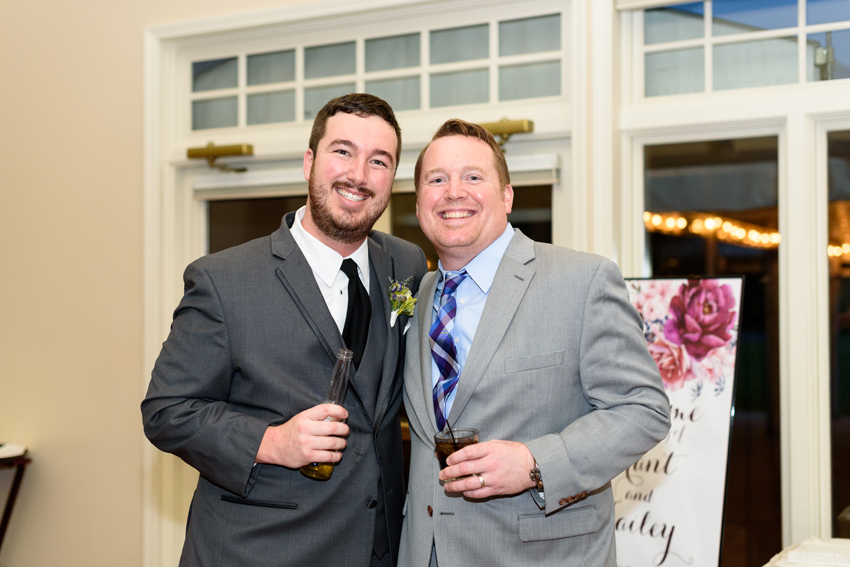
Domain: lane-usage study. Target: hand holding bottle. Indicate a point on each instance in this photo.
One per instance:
(322, 469)
(314, 435)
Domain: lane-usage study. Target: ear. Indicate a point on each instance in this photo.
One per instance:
(308, 164)
(509, 198)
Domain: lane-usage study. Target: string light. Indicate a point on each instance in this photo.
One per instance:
(743, 234)
(730, 230)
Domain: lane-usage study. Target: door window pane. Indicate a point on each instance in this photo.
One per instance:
(825, 11)
(741, 16)
(460, 44)
(214, 74)
(277, 67)
(397, 52)
(530, 35)
(317, 97)
(755, 63)
(265, 108)
(214, 113)
(329, 60)
(838, 178)
(401, 94)
(828, 55)
(676, 23)
(674, 72)
(464, 87)
(530, 80)
(734, 181)
(236, 221)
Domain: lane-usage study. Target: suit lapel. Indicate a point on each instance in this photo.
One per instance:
(382, 264)
(509, 286)
(425, 305)
(298, 279)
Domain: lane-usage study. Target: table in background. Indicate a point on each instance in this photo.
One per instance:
(812, 545)
(18, 463)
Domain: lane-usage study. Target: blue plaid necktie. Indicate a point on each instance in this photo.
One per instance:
(443, 348)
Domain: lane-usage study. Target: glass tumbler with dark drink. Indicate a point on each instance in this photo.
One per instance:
(336, 395)
(449, 441)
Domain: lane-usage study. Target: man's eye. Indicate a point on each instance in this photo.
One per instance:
(379, 162)
(342, 152)
(437, 180)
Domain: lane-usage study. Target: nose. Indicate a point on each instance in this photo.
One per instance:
(357, 172)
(455, 190)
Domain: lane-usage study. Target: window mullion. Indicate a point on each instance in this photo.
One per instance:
(299, 83)
(708, 37)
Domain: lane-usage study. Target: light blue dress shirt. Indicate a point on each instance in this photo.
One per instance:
(471, 295)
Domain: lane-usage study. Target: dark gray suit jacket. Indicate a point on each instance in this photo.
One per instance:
(253, 344)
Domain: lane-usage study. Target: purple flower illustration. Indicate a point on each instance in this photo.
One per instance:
(700, 317)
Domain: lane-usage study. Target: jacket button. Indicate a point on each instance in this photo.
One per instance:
(430, 511)
(563, 502)
(372, 503)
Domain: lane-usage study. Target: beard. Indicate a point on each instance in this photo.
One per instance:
(348, 227)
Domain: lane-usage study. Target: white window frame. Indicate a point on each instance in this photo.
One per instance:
(708, 41)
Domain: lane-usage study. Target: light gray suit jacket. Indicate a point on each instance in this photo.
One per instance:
(559, 362)
(252, 344)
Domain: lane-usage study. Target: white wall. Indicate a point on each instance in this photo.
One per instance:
(71, 271)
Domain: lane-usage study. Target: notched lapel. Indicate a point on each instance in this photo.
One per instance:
(297, 277)
(382, 263)
(425, 307)
(516, 270)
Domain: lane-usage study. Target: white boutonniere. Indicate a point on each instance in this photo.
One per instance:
(402, 301)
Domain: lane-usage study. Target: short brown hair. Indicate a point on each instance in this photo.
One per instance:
(359, 104)
(458, 127)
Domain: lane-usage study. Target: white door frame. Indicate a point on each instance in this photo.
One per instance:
(175, 218)
(803, 299)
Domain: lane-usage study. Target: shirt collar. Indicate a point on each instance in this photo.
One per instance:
(325, 261)
(482, 269)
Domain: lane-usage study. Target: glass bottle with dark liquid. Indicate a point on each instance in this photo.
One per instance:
(336, 395)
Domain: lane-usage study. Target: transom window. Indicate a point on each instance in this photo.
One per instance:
(720, 45)
(484, 63)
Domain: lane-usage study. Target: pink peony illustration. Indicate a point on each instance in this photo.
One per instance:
(673, 363)
(653, 299)
(700, 317)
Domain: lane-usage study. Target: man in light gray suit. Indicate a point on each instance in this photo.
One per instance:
(538, 348)
(236, 390)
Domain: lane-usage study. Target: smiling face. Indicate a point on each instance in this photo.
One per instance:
(461, 206)
(350, 179)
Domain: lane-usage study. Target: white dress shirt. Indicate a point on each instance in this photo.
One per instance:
(326, 263)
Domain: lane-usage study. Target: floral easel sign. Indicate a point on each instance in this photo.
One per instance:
(669, 504)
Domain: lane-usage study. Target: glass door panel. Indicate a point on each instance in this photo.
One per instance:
(838, 175)
(711, 209)
(236, 221)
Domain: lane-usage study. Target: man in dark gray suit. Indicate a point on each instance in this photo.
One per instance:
(538, 348)
(236, 390)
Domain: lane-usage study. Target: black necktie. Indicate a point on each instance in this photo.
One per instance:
(356, 329)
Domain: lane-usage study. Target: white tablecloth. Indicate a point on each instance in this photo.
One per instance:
(812, 545)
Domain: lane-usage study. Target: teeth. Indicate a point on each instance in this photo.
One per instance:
(350, 196)
(456, 214)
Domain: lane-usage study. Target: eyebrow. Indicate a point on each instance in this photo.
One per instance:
(463, 171)
(353, 146)
(434, 170)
